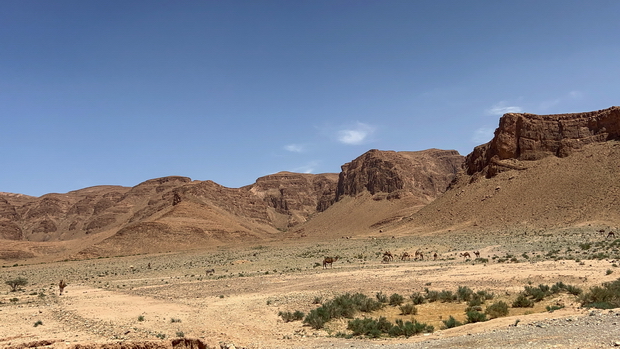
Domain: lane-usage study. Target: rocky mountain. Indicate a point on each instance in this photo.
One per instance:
(522, 137)
(172, 213)
(539, 173)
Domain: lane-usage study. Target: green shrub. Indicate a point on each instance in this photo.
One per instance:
(606, 296)
(552, 308)
(432, 296)
(180, 334)
(475, 316)
(464, 294)
(485, 295)
(609, 271)
(574, 290)
(408, 309)
(497, 309)
(451, 322)
(396, 299)
(39, 322)
(141, 318)
(417, 298)
(537, 293)
(446, 296)
(375, 328)
(585, 246)
(369, 327)
(381, 297)
(409, 328)
(289, 317)
(522, 302)
(344, 306)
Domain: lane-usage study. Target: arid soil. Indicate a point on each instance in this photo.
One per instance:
(122, 300)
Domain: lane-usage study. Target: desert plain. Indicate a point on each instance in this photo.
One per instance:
(234, 295)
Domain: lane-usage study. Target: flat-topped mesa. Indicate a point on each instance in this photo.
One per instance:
(532, 137)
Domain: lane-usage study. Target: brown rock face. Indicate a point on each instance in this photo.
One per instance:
(532, 137)
(425, 174)
(297, 195)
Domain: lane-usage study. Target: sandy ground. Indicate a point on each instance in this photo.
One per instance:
(122, 299)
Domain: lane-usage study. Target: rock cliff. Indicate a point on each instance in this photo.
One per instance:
(425, 174)
(523, 137)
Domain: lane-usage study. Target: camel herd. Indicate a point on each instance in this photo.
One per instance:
(404, 256)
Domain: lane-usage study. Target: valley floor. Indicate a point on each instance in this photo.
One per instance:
(159, 297)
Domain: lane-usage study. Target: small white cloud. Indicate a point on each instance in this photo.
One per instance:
(483, 135)
(295, 148)
(356, 135)
(501, 108)
(307, 168)
(575, 94)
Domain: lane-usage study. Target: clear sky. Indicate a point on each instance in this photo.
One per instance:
(119, 92)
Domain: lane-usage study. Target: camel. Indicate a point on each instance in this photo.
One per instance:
(405, 256)
(611, 234)
(330, 261)
(386, 259)
(388, 255)
(435, 256)
(61, 286)
(210, 272)
(477, 253)
(418, 253)
(465, 255)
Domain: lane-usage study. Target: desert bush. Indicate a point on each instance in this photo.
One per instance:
(409, 328)
(475, 302)
(346, 306)
(180, 334)
(381, 297)
(432, 296)
(574, 290)
(485, 295)
(497, 309)
(475, 316)
(373, 328)
(16, 283)
(447, 296)
(522, 302)
(173, 320)
(140, 318)
(464, 294)
(606, 296)
(396, 299)
(537, 293)
(38, 323)
(408, 309)
(609, 271)
(451, 322)
(417, 298)
(552, 308)
(369, 327)
(289, 317)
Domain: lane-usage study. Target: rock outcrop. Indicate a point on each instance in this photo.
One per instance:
(525, 137)
(425, 174)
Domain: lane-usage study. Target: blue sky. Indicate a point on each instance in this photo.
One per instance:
(118, 92)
